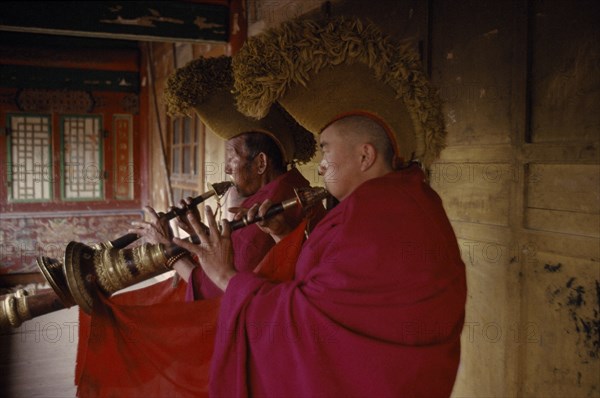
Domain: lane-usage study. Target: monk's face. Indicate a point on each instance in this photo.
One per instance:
(340, 164)
(241, 167)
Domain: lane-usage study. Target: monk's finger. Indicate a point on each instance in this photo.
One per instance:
(212, 223)
(197, 227)
(240, 212)
(225, 229)
(140, 224)
(153, 216)
(187, 245)
(252, 212)
(135, 231)
(264, 207)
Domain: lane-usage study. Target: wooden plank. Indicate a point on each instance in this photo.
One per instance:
(563, 221)
(562, 244)
(567, 187)
(474, 192)
(500, 153)
(489, 326)
(485, 233)
(582, 152)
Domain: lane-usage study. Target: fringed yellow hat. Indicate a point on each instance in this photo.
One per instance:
(205, 85)
(322, 72)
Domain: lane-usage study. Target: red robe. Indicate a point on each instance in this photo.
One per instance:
(376, 307)
(250, 244)
(148, 343)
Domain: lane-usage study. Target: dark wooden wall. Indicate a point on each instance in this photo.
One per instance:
(520, 181)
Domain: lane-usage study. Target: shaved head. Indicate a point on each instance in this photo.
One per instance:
(361, 129)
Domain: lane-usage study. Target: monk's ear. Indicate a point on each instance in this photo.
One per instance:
(261, 161)
(368, 156)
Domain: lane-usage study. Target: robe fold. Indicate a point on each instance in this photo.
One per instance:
(149, 343)
(250, 244)
(137, 344)
(375, 309)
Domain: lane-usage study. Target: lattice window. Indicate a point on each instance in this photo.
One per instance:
(30, 158)
(81, 163)
(184, 153)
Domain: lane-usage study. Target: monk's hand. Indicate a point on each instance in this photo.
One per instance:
(275, 225)
(238, 212)
(215, 251)
(185, 206)
(157, 230)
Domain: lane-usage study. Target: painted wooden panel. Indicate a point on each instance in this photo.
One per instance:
(123, 167)
(23, 239)
(68, 79)
(69, 52)
(134, 20)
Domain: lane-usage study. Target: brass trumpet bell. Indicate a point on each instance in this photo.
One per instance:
(101, 266)
(109, 269)
(52, 269)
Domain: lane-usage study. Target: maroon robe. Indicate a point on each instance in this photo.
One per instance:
(375, 310)
(250, 244)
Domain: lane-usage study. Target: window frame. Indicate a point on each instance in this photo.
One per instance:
(186, 184)
(101, 170)
(109, 199)
(10, 164)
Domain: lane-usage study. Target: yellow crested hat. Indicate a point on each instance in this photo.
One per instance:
(321, 72)
(205, 85)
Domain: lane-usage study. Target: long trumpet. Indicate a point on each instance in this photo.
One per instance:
(305, 198)
(63, 278)
(218, 189)
(106, 269)
(67, 289)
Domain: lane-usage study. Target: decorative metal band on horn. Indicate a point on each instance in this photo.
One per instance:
(305, 198)
(109, 269)
(21, 306)
(13, 310)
